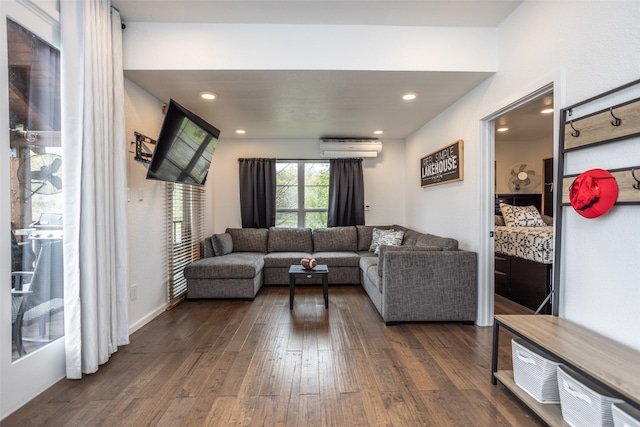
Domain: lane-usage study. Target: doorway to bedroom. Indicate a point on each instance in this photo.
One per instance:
(523, 205)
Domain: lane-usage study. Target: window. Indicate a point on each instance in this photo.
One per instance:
(302, 193)
(185, 231)
(35, 176)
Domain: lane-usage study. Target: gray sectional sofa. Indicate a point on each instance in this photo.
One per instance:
(425, 278)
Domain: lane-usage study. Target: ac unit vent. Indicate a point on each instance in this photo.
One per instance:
(349, 140)
(350, 147)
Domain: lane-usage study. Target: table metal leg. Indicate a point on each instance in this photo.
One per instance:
(292, 288)
(325, 290)
(494, 354)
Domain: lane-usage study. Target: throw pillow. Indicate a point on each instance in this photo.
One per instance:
(385, 237)
(499, 220)
(365, 234)
(222, 244)
(521, 216)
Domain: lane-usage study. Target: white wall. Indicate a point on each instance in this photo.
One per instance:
(384, 192)
(161, 46)
(147, 247)
(383, 177)
(532, 153)
(586, 48)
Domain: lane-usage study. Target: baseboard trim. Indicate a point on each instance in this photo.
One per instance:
(146, 319)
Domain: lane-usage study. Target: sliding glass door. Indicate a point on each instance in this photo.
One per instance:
(35, 176)
(31, 191)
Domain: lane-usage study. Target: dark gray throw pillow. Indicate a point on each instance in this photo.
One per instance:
(222, 244)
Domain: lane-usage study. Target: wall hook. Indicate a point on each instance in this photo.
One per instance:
(637, 184)
(576, 132)
(616, 121)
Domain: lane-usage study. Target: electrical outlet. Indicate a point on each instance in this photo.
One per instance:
(133, 294)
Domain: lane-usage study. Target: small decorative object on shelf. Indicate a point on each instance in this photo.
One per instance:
(308, 263)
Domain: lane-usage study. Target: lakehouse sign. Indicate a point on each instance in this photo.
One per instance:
(444, 165)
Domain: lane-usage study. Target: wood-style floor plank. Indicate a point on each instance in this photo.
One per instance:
(241, 363)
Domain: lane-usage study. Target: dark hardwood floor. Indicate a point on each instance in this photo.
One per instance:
(225, 363)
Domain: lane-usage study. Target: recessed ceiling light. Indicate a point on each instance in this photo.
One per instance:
(409, 96)
(502, 129)
(241, 131)
(378, 132)
(208, 95)
(547, 111)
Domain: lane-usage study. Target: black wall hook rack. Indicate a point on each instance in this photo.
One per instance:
(576, 132)
(637, 184)
(616, 121)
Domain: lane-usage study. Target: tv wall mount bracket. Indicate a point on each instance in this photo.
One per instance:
(144, 149)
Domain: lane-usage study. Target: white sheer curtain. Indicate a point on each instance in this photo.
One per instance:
(95, 200)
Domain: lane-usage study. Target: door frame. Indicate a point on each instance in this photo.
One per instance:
(28, 376)
(486, 252)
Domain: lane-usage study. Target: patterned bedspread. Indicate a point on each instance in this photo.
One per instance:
(532, 243)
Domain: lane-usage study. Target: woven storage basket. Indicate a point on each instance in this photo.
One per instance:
(625, 415)
(535, 371)
(583, 403)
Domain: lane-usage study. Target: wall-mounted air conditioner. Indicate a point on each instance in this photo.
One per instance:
(350, 147)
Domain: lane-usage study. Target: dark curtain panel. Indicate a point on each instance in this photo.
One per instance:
(258, 192)
(346, 193)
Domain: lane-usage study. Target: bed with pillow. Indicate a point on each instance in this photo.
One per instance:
(523, 250)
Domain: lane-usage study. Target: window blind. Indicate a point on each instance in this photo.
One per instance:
(185, 232)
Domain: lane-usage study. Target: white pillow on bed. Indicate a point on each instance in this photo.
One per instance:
(521, 216)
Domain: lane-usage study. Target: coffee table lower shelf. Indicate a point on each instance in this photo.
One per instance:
(549, 413)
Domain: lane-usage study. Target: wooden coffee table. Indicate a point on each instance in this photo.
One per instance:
(319, 271)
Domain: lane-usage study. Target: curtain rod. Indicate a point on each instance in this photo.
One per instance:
(290, 160)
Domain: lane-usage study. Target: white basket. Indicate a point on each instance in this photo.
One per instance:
(583, 403)
(625, 415)
(535, 372)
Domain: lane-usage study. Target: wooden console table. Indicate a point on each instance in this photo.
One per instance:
(610, 364)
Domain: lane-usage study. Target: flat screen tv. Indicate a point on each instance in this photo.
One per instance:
(184, 148)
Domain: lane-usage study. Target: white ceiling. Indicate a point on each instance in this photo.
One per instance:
(527, 123)
(437, 13)
(314, 104)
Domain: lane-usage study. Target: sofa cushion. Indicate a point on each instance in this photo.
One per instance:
(372, 276)
(368, 261)
(237, 265)
(384, 249)
(338, 258)
(284, 259)
(249, 239)
(208, 248)
(385, 237)
(222, 244)
(365, 234)
(290, 240)
(335, 239)
(446, 243)
(410, 237)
